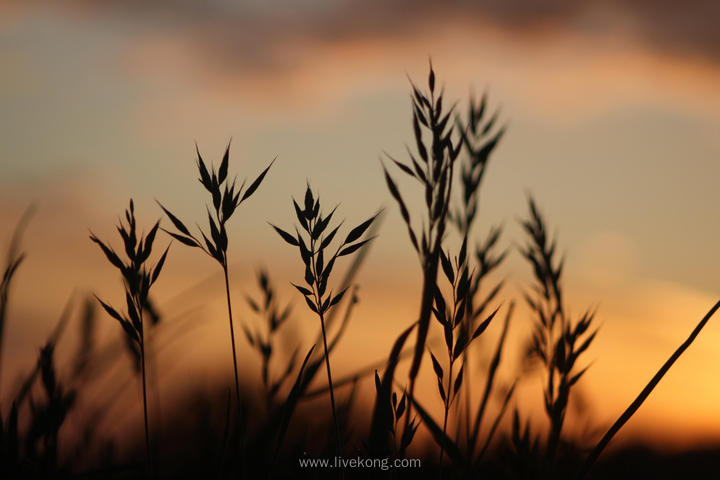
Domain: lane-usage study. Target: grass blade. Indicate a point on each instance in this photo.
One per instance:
(630, 411)
(382, 415)
(289, 406)
(492, 369)
(495, 424)
(449, 446)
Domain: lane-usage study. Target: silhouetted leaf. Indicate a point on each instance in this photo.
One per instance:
(338, 297)
(308, 202)
(352, 248)
(304, 252)
(404, 168)
(184, 240)
(401, 406)
(204, 175)
(253, 186)
(458, 380)
(481, 328)
(302, 290)
(111, 311)
(439, 436)
(300, 215)
(447, 267)
(441, 389)
(109, 253)
(289, 405)
(357, 232)
(286, 236)
(322, 224)
(211, 248)
(309, 277)
(436, 366)
(396, 195)
(176, 221)
(422, 151)
(253, 304)
(312, 305)
(222, 173)
(382, 418)
(159, 265)
(460, 343)
(573, 380)
(328, 238)
(149, 239)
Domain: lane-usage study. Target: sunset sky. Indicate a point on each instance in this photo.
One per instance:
(613, 116)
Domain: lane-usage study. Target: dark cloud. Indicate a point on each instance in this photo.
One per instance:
(253, 30)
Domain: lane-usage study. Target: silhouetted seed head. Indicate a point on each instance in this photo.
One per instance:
(225, 200)
(138, 276)
(314, 247)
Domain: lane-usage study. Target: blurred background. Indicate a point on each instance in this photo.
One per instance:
(613, 116)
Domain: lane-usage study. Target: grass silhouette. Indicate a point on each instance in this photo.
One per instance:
(138, 278)
(317, 270)
(282, 418)
(225, 202)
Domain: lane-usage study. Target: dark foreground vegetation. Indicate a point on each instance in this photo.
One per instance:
(301, 411)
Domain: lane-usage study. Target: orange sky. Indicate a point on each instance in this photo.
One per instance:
(611, 125)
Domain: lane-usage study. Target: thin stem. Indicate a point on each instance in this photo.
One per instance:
(430, 278)
(330, 384)
(557, 416)
(468, 408)
(3, 303)
(148, 460)
(318, 302)
(232, 335)
(447, 409)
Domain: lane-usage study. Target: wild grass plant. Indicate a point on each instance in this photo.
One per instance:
(557, 341)
(319, 260)
(138, 277)
(264, 340)
(432, 166)
(225, 200)
(454, 318)
(479, 138)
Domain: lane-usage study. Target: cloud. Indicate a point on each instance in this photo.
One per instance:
(250, 31)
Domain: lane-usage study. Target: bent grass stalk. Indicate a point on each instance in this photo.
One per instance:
(644, 394)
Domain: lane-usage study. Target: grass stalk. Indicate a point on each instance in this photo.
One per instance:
(432, 167)
(330, 387)
(149, 462)
(138, 277)
(318, 267)
(232, 333)
(557, 340)
(225, 200)
(445, 416)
